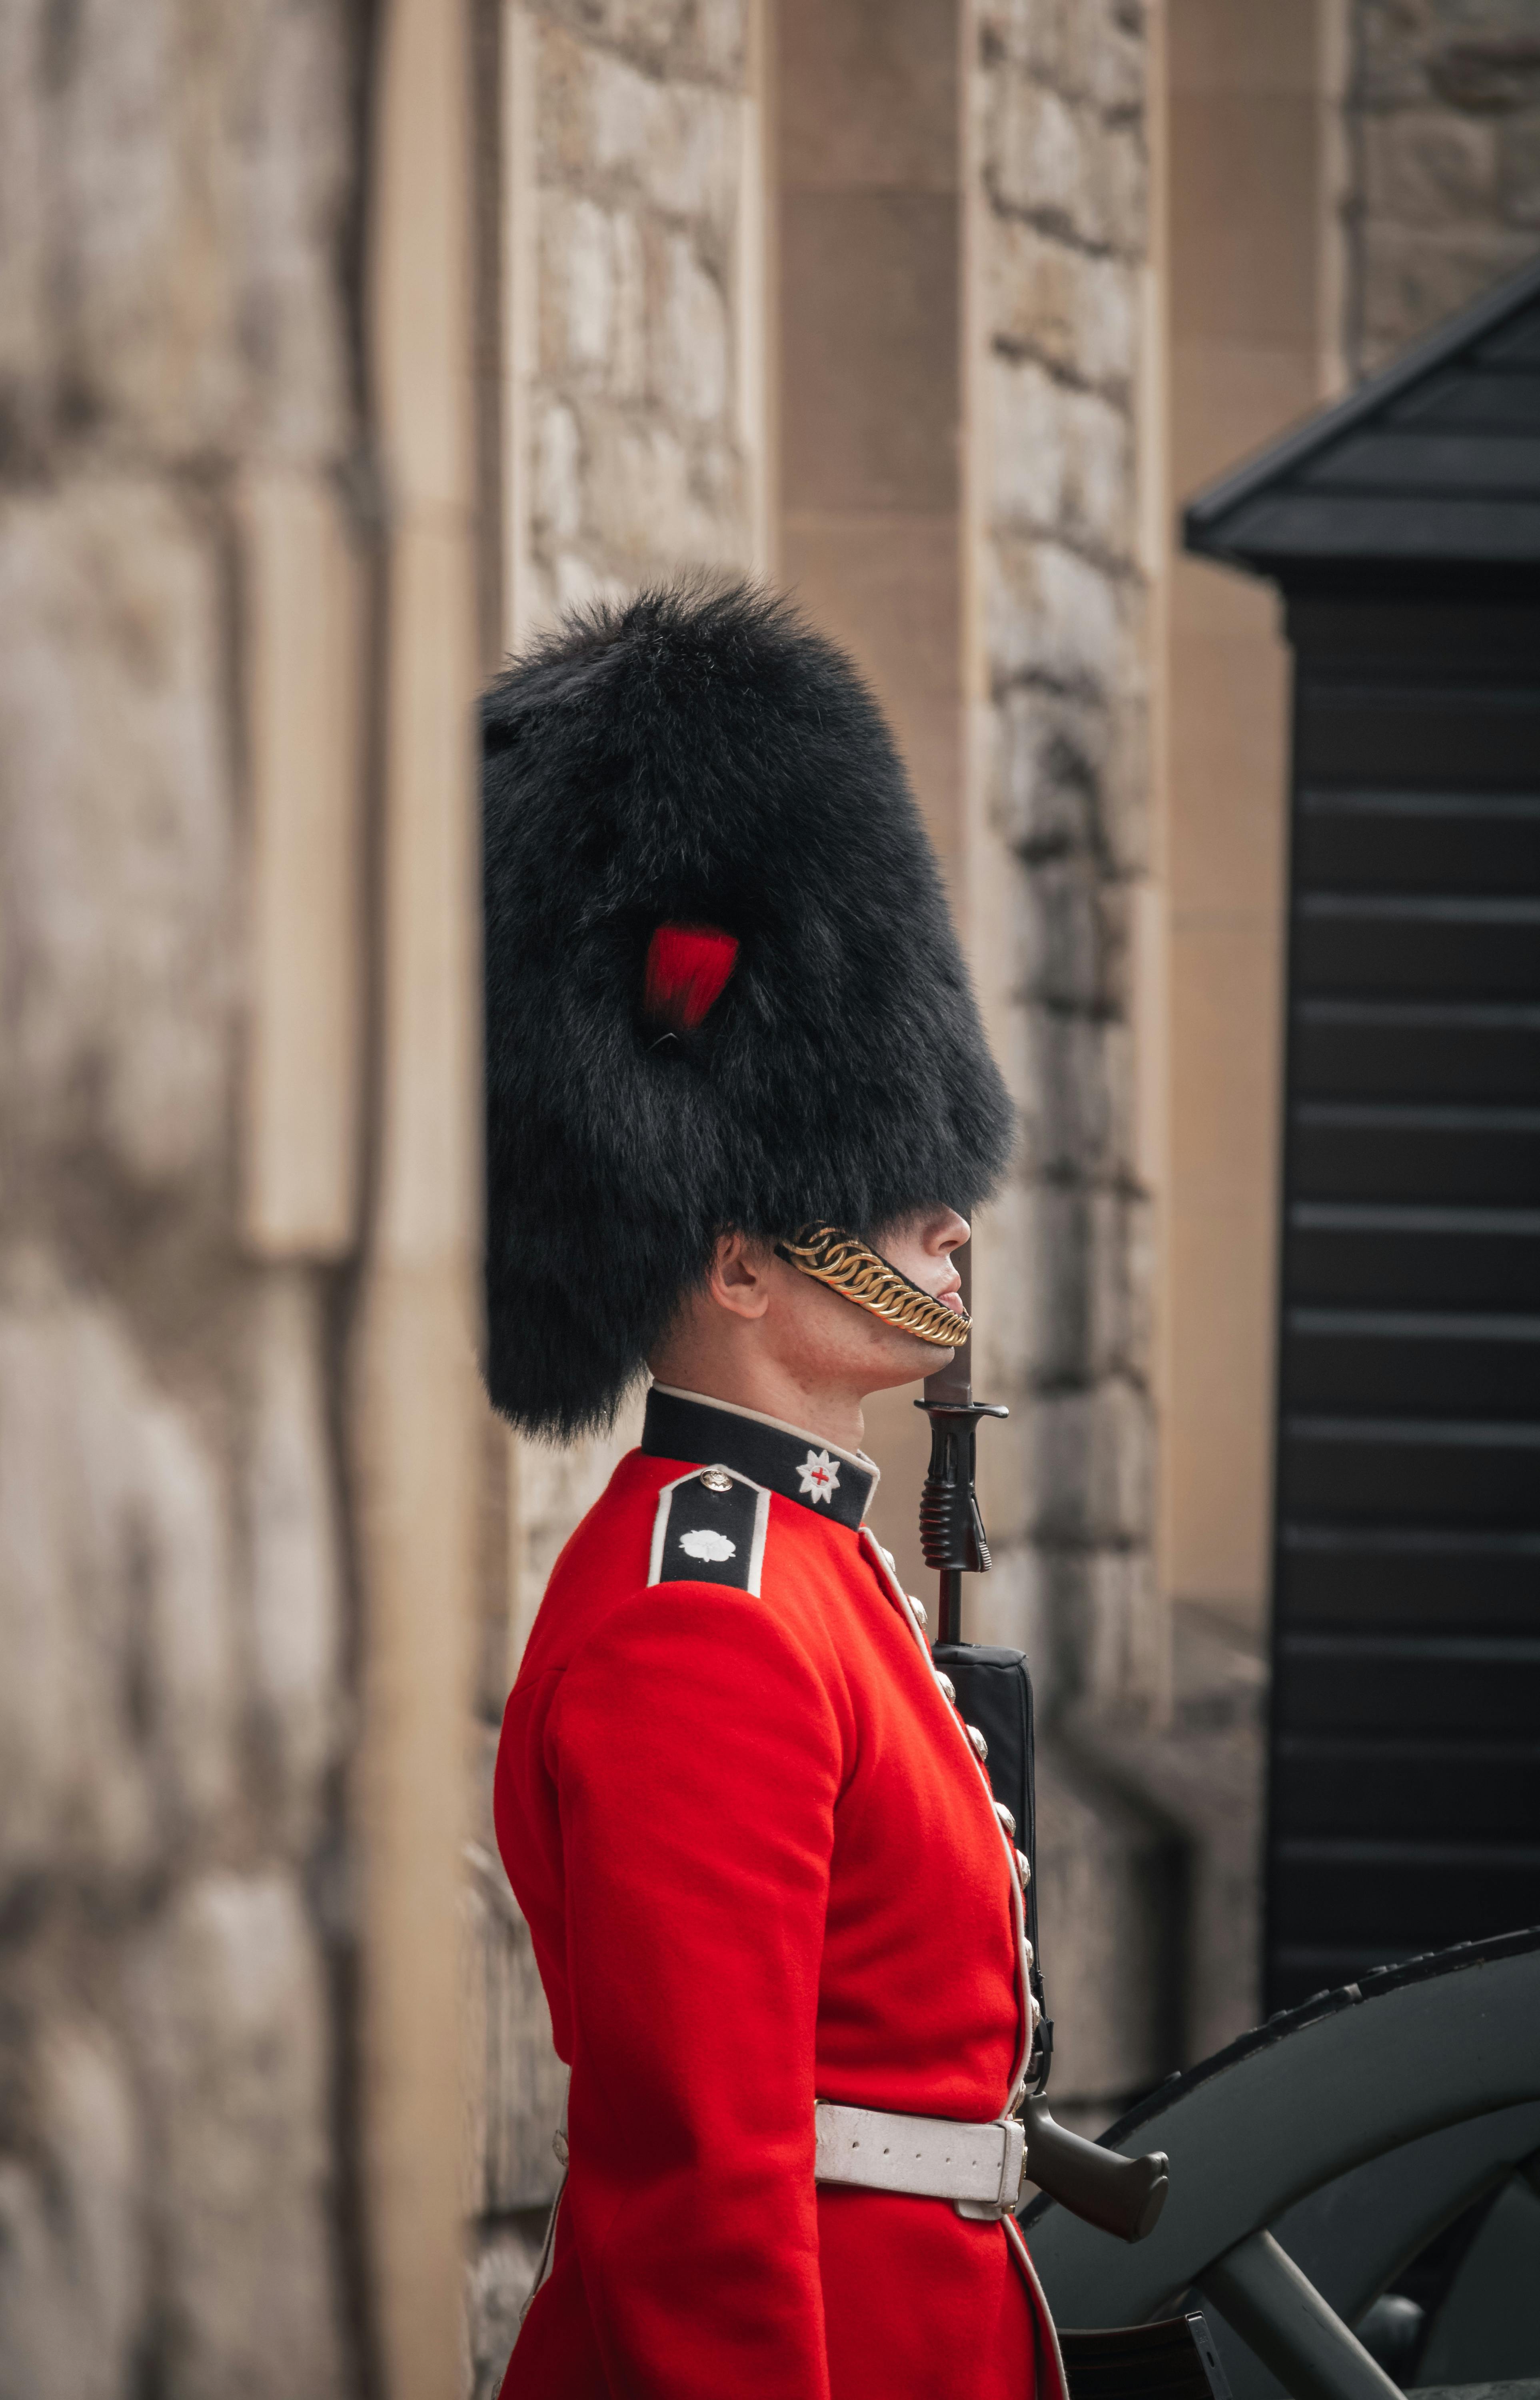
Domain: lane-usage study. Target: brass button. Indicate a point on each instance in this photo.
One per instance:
(1024, 1868)
(1007, 1818)
(717, 1479)
(1029, 1954)
(944, 1685)
(558, 2143)
(917, 1609)
(981, 1748)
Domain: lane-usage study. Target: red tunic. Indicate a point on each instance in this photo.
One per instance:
(760, 1865)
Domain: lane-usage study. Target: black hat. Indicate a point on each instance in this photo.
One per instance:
(723, 988)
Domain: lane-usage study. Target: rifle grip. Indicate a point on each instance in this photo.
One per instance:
(1122, 2196)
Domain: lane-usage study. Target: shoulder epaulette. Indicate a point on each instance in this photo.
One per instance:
(710, 1528)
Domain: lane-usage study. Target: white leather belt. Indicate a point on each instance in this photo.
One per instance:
(978, 2168)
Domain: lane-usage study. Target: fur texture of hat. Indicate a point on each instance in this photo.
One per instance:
(701, 757)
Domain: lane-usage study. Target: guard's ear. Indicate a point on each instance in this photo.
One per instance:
(687, 967)
(739, 1276)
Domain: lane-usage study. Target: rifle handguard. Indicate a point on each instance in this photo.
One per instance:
(1122, 2196)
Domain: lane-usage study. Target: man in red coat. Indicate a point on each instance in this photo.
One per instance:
(737, 1097)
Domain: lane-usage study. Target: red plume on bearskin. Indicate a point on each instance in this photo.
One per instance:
(687, 971)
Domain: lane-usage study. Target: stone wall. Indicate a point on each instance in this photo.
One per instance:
(1062, 236)
(630, 188)
(175, 191)
(1443, 120)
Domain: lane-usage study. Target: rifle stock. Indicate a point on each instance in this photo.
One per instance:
(1122, 2196)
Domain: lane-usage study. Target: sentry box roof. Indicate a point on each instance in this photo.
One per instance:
(1431, 467)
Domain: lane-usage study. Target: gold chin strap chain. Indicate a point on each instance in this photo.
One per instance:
(857, 1274)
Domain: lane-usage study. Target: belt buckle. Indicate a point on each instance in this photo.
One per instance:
(1012, 2175)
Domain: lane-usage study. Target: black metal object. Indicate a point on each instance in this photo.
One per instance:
(1316, 2156)
(1404, 528)
(951, 1531)
(994, 1692)
(1173, 2359)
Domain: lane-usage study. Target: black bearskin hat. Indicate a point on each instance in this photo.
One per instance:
(722, 985)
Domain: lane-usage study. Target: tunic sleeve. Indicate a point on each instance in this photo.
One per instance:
(697, 1758)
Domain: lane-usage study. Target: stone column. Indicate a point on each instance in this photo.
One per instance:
(1060, 668)
(180, 903)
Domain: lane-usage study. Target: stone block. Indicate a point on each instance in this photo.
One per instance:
(1413, 281)
(1070, 1278)
(1046, 759)
(619, 134)
(1109, 1927)
(302, 611)
(1077, 311)
(593, 297)
(1124, 824)
(691, 364)
(197, 200)
(295, 1595)
(1030, 1326)
(1497, 70)
(230, 2014)
(500, 2270)
(1056, 617)
(1036, 146)
(27, 336)
(1059, 163)
(1204, 1772)
(117, 1709)
(1110, 1640)
(1392, 39)
(662, 503)
(72, 2237)
(515, 2082)
(1092, 1469)
(1518, 169)
(678, 39)
(1428, 166)
(1120, 1283)
(558, 512)
(1087, 52)
(1073, 1094)
(1061, 461)
(115, 834)
(1071, 937)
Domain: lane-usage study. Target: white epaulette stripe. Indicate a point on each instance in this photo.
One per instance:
(761, 1525)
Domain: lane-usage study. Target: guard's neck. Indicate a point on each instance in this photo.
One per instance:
(831, 1411)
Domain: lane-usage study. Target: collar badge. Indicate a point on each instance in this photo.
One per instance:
(820, 1476)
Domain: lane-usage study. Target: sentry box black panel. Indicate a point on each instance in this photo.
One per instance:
(1403, 529)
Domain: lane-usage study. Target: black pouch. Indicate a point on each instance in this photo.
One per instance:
(994, 1692)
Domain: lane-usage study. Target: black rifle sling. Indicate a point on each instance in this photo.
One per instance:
(994, 1692)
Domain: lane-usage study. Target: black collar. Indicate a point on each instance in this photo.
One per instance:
(817, 1474)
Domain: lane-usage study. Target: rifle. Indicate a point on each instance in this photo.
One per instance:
(994, 1692)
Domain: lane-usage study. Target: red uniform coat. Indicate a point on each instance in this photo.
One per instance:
(760, 1865)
